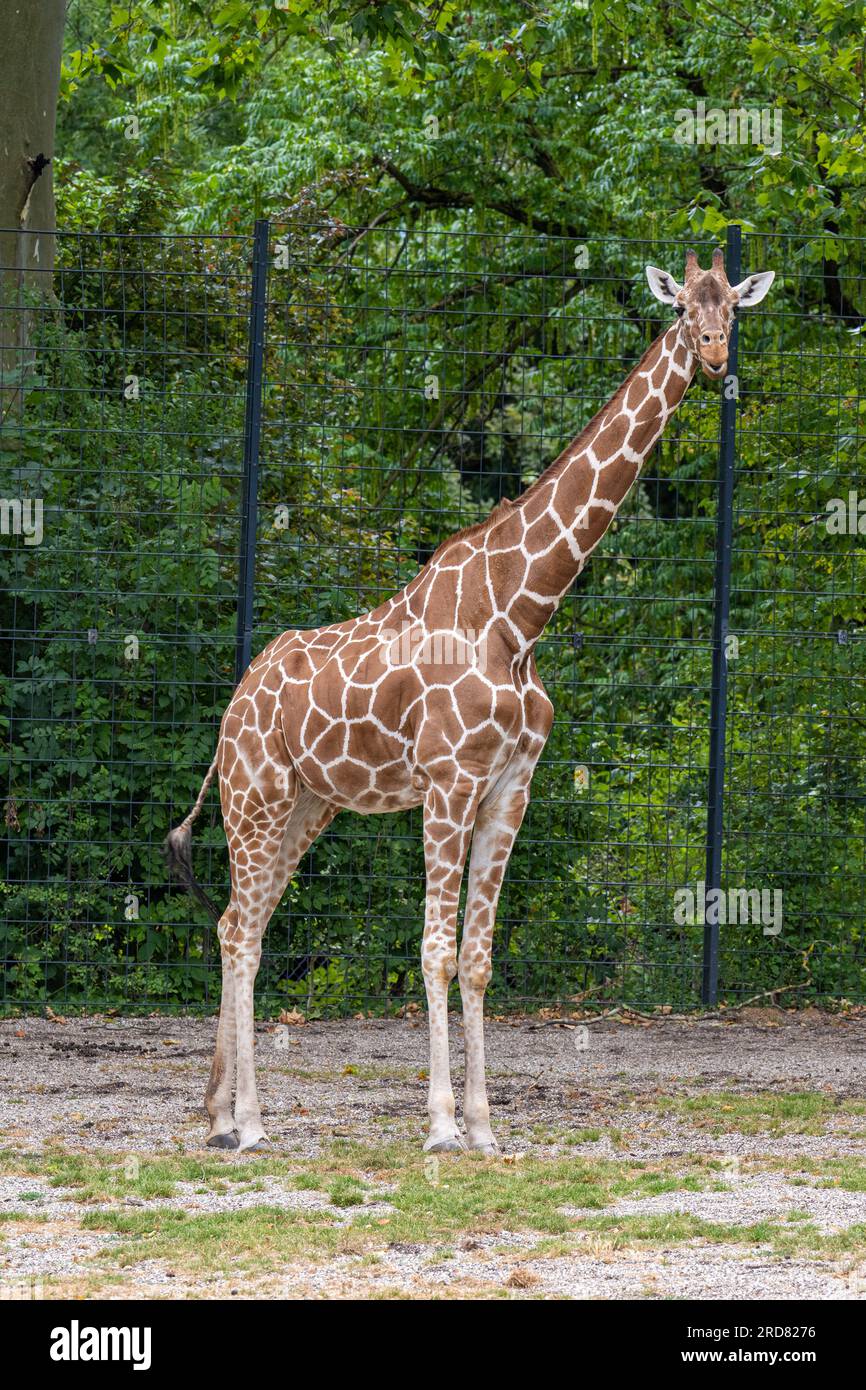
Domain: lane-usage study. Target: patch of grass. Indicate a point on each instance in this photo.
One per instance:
(256, 1238)
(480, 1195)
(768, 1112)
(380, 1157)
(346, 1192)
(846, 1171)
(563, 1200)
(549, 1248)
(109, 1177)
(307, 1182)
(664, 1228)
(472, 1194)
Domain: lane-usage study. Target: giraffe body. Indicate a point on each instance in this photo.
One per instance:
(363, 713)
(432, 699)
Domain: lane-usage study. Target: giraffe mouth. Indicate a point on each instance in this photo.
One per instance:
(714, 369)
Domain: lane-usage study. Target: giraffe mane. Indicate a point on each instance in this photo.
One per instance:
(477, 528)
(574, 446)
(506, 506)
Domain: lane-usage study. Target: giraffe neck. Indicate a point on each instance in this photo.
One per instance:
(565, 513)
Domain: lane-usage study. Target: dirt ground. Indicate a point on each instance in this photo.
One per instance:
(712, 1158)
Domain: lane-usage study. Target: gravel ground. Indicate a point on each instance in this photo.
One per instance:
(124, 1086)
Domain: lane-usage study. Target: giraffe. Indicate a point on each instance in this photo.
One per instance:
(432, 699)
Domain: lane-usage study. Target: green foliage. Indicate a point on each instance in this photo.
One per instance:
(560, 118)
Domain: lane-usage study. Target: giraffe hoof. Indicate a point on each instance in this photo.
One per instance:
(257, 1146)
(490, 1149)
(224, 1141)
(455, 1145)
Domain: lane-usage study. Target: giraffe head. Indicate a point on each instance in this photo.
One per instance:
(706, 304)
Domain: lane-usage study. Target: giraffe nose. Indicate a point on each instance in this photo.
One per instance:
(713, 351)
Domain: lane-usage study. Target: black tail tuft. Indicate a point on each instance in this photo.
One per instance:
(178, 853)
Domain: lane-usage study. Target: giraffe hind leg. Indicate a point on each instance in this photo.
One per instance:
(263, 860)
(218, 1097)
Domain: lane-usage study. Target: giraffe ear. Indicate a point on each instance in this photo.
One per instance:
(663, 286)
(752, 290)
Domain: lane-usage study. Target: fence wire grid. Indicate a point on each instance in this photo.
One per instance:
(230, 436)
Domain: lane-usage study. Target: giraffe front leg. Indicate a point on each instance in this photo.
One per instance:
(447, 829)
(495, 832)
(218, 1097)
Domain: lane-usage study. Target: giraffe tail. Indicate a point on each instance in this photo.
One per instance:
(178, 850)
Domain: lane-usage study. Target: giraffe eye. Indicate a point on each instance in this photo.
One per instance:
(679, 310)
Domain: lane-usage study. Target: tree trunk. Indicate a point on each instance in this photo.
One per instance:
(31, 41)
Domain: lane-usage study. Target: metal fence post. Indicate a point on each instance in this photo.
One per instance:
(721, 610)
(252, 434)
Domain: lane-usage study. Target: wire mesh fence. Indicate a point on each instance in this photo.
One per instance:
(796, 772)
(123, 402)
(407, 379)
